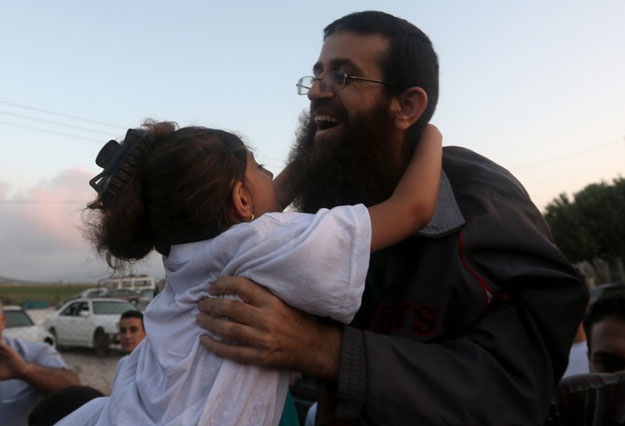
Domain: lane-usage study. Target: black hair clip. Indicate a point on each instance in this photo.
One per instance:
(114, 159)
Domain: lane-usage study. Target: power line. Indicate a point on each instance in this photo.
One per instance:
(43, 202)
(56, 123)
(60, 114)
(564, 157)
(51, 132)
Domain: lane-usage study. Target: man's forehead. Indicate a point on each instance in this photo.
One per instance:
(128, 322)
(608, 331)
(361, 52)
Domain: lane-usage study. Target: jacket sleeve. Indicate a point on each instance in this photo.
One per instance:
(499, 370)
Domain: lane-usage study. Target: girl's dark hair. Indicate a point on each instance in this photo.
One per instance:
(180, 191)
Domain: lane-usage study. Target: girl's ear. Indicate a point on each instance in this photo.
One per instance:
(242, 202)
(408, 106)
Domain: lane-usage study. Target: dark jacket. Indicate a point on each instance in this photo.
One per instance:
(469, 322)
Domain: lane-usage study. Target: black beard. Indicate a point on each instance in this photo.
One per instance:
(359, 168)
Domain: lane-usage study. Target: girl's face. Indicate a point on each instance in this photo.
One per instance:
(259, 181)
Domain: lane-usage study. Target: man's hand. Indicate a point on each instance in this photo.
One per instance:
(12, 366)
(265, 331)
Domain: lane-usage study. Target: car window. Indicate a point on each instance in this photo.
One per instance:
(84, 306)
(18, 319)
(71, 310)
(108, 308)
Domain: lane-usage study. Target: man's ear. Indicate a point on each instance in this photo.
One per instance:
(408, 106)
(242, 202)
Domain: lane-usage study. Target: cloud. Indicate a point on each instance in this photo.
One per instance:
(5, 188)
(47, 215)
(41, 232)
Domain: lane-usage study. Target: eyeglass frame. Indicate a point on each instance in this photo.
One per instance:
(346, 77)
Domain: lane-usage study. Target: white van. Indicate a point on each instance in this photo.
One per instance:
(131, 283)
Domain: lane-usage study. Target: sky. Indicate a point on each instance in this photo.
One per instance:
(536, 86)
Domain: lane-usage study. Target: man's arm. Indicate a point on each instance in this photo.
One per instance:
(45, 380)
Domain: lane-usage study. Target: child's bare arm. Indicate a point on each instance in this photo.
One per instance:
(412, 204)
(285, 188)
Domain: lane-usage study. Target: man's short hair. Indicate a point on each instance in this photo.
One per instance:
(410, 61)
(611, 304)
(132, 314)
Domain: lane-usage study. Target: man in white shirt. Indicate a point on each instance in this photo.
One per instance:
(28, 372)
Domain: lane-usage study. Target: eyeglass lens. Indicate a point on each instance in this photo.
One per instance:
(304, 84)
(332, 81)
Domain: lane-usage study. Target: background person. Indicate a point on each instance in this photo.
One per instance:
(468, 322)
(604, 325)
(597, 398)
(28, 372)
(131, 330)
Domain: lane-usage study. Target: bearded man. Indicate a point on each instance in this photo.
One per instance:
(469, 321)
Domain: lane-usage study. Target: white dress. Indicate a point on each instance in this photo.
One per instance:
(317, 263)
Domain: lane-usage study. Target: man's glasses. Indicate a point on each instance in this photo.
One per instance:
(332, 81)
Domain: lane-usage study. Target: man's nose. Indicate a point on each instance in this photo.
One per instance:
(315, 92)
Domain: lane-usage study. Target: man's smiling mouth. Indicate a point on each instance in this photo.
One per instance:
(324, 122)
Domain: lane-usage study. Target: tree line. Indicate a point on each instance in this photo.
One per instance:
(592, 224)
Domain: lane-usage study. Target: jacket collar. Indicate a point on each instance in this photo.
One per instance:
(447, 217)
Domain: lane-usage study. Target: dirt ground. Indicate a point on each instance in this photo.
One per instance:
(95, 371)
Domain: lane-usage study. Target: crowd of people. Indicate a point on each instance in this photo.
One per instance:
(416, 285)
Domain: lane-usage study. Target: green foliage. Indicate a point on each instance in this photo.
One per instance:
(16, 294)
(593, 224)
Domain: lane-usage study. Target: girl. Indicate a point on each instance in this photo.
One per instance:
(198, 196)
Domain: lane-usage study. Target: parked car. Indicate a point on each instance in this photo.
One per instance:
(121, 293)
(89, 292)
(19, 325)
(91, 323)
(146, 292)
(145, 296)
